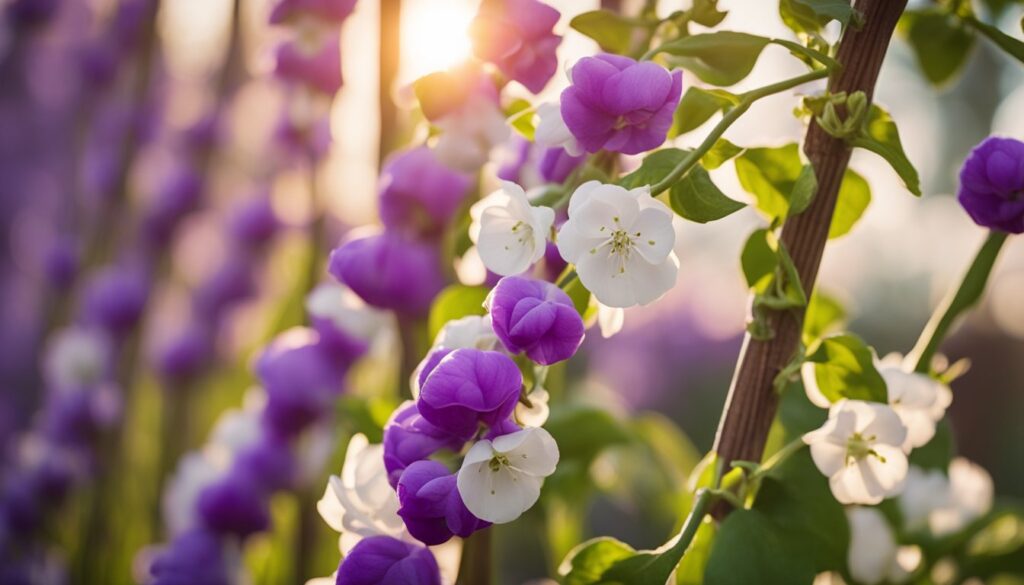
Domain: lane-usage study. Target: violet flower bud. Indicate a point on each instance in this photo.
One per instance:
(317, 67)
(389, 271)
(98, 62)
(469, 388)
(253, 223)
(115, 298)
(418, 195)
(185, 355)
(332, 11)
(992, 184)
(408, 438)
(300, 379)
(177, 196)
(383, 560)
(431, 506)
(61, 263)
(234, 505)
(194, 557)
(516, 35)
(269, 463)
(556, 165)
(535, 317)
(617, 104)
(232, 283)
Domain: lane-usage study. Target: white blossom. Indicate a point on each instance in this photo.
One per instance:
(501, 479)
(537, 413)
(859, 448)
(552, 132)
(924, 492)
(509, 233)
(469, 134)
(946, 504)
(610, 320)
(346, 311)
(195, 472)
(919, 400)
(874, 555)
(77, 357)
(359, 503)
(621, 244)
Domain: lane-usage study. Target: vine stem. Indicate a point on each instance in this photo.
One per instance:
(746, 100)
(972, 285)
(752, 401)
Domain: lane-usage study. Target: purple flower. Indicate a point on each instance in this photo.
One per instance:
(389, 271)
(30, 13)
(617, 104)
(319, 67)
(431, 506)
(253, 223)
(114, 299)
(382, 560)
(323, 10)
(234, 505)
(992, 184)
(61, 262)
(468, 388)
(419, 195)
(269, 463)
(177, 196)
(229, 285)
(185, 355)
(98, 62)
(300, 379)
(556, 165)
(535, 317)
(195, 558)
(408, 438)
(516, 35)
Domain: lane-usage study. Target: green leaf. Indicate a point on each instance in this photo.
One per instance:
(854, 197)
(655, 167)
(824, 315)
(758, 259)
(809, 16)
(614, 33)
(719, 58)
(1012, 46)
(750, 549)
(938, 452)
(691, 569)
(584, 431)
(520, 116)
(770, 174)
(939, 40)
(696, 198)
(804, 188)
(882, 138)
(706, 13)
(586, 563)
(455, 302)
(580, 296)
(721, 151)
(697, 107)
(807, 54)
(844, 368)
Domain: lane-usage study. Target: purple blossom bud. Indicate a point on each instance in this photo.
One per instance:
(24, 14)
(60, 264)
(234, 505)
(269, 463)
(556, 165)
(516, 158)
(231, 284)
(203, 134)
(185, 355)
(298, 139)
(408, 438)
(389, 271)
(300, 379)
(194, 557)
(516, 35)
(535, 317)
(178, 196)
(383, 560)
(114, 299)
(98, 62)
(505, 427)
(468, 388)
(418, 195)
(431, 506)
(430, 362)
(617, 104)
(334, 11)
(992, 184)
(21, 510)
(253, 223)
(319, 67)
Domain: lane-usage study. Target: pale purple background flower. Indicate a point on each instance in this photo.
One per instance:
(516, 35)
(418, 195)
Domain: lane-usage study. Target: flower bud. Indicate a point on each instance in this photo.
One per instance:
(468, 388)
(992, 185)
(431, 505)
(535, 317)
(516, 35)
(408, 438)
(374, 559)
(418, 195)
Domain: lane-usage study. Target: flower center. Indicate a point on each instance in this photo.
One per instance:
(858, 447)
(523, 233)
(497, 462)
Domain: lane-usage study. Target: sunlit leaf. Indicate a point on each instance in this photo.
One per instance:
(844, 368)
(614, 33)
(455, 302)
(853, 199)
(770, 174)
(697, 107)
(719, 58)
(883, 138)
(940, 42)
(696, 198)
(655, 167)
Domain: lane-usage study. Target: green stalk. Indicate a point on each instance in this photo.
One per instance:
(746, 100)
(959, 300)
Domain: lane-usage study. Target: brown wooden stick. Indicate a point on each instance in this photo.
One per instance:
(752, 402)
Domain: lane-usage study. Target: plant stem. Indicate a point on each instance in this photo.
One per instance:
(972, 285)
(753, 401)
(778, 458)
(315, 233)
(746, 100)
(475, 567)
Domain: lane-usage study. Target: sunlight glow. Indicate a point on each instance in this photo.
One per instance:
(434, 36)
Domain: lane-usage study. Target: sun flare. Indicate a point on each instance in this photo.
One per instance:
(435, 35)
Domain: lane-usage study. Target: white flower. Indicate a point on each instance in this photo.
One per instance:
(924, 492)
(552, 132)
(621, 243)
(77, 357)
(919, 400)
(360, 503)
(610, 320)
(469, 134)
(859, 448)
(874, 555)
(469, 332)
(501, 479)
(509, 233)
(536, 414)
(945, 505)
(346, 311)
(179, 504)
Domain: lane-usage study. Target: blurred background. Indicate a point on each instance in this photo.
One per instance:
(60, 120)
